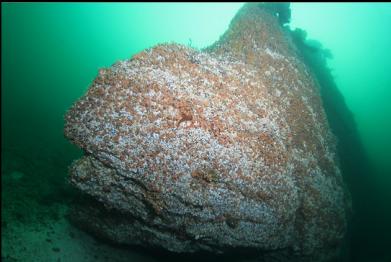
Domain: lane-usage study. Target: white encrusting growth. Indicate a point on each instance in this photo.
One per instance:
(207, 149)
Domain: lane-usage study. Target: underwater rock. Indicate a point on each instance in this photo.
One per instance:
(217, 150)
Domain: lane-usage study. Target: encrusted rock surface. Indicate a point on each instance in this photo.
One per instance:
(212, 150)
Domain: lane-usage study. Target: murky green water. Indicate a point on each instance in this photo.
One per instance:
(52, 52)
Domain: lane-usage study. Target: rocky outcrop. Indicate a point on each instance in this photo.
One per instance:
(213, 150)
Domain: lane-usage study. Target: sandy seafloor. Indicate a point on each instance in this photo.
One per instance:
(35, 201)
(57, 240)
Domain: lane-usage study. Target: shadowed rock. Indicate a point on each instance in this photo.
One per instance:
(222, 149)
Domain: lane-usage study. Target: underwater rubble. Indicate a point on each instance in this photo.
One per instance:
(217, 150)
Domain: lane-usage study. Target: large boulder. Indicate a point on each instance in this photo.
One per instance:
(213, 150)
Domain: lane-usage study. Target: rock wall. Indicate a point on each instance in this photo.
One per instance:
(220, 149)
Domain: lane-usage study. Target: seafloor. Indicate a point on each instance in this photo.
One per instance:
(34, 207)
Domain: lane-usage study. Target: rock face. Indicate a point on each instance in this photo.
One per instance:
(212, 150)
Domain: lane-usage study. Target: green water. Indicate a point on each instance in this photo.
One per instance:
(52, 52)
(359, 37)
